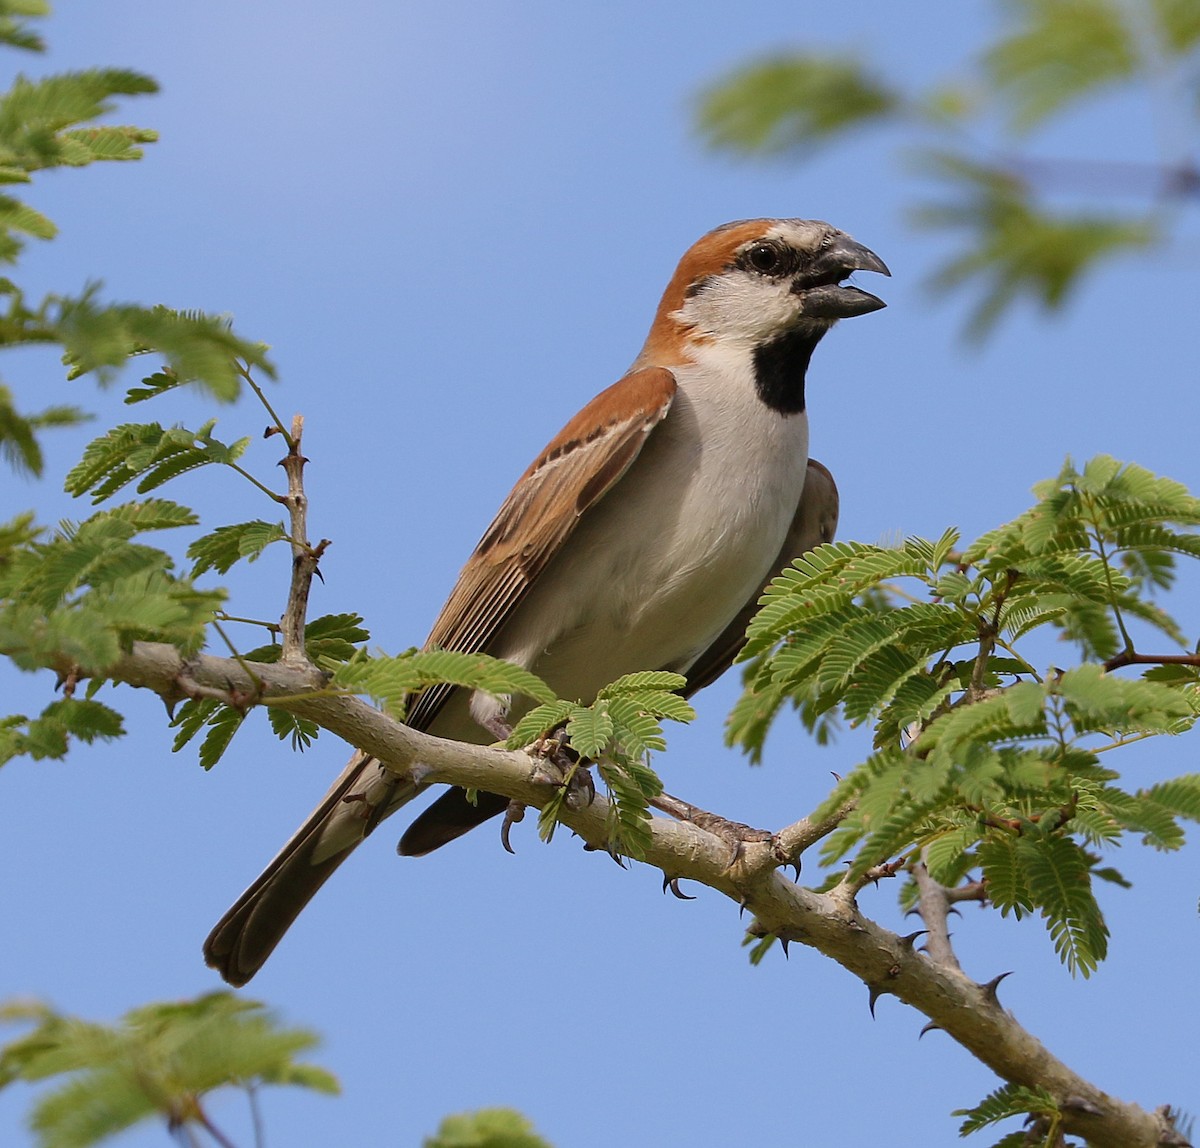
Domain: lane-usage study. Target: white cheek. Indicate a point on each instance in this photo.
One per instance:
(739, 307)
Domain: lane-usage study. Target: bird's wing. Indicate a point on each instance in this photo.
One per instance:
(578, 467)
(815, 522)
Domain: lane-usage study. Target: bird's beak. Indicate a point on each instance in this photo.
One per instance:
(821, 289)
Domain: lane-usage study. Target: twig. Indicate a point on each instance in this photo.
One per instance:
(256, 1117)
(305, 558)
(212, 1129)
(277, 427)
(934, 908)
(1130, 658)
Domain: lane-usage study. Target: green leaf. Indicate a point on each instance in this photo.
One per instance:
(1181, 795)
(391, 681)
(790, 103)
(300, 731)
(1059, 878)
(157, 1062)
(13, 30)
(649, 680)
(224, 722)
(486, 1128)
(1007, 1101)
(1014, 248)
(19, 445)
(540, 720)
(226, 545)
(197, 347)
(1003, 868)
(190, 718)
(147, 451)
(49, 735)
(1062, 51)
(1178, 25)
(590, 730)
(154, 385)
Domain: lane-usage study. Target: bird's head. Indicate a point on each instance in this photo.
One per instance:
(748, 283)
(769, 288)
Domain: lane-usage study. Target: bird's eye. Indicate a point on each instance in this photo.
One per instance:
(764, 257)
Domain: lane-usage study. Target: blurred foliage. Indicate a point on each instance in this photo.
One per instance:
(1021, 238)
(487, 1128)
(160, 1061)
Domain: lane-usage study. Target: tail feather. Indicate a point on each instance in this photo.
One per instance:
(359, 799)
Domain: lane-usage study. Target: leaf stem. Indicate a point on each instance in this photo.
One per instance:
(271, 494)
(244, 371)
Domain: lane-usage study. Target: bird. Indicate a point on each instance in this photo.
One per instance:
(640, 538)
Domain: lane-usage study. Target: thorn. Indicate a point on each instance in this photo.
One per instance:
(875, 994)
(907, 942)
(783, 944)
(512, 815)
(743, 904)
(835, 776)
(932, 1026)
(672, 883)
(170, 704)
(989, 990)
(1082, 1104)
(796, 865)
(953, 910)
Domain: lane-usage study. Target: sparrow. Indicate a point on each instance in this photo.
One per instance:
(639, 539)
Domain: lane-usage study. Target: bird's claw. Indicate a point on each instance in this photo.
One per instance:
(672, 883)
(512, 815)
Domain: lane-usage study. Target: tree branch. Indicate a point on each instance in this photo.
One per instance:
(1130, 658)
(305, 558)
(888, 963)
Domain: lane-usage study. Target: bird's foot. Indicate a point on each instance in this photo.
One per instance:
(568, 769)
(558, 766)
(735, 834)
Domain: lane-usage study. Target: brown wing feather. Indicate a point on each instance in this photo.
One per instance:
(577, 468)
(815, 522)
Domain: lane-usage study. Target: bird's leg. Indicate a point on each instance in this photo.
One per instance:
(569, 770)
(734, 833)
(576, 776)
(498, 727)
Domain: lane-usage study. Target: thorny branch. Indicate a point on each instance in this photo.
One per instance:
(830, 923)
(936, 902)
(305, 558)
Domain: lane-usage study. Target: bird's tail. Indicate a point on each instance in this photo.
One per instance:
(359, 799)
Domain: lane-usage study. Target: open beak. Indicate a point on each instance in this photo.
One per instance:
(821, 288)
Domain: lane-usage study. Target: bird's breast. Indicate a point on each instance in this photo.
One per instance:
(660, 566)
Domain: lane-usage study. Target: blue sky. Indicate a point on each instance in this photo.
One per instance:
(452, 222)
